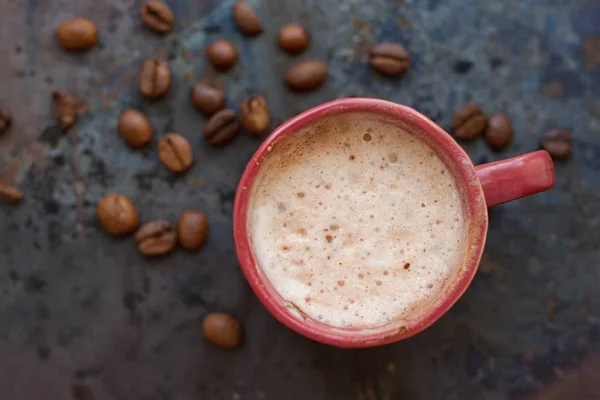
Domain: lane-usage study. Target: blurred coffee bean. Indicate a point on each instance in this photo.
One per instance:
(469, 122)
(117, 215)
(65, 109)
(192, 230)
(559, 143)
(306, 75)
(222, 330)
(255, 115)
(135, 128)
(77, 34)
(389, 59)
(246, 19)
(10, 194)
(207, 99)
(155, 78)
(222, 54)
(499, 132)
(222, 127)
(157, 16)
(293, 38)
(175, 152)
(156, 238)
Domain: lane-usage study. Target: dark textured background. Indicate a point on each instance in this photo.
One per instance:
(83, 316)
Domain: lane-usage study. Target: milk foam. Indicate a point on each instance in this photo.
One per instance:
(356, 223)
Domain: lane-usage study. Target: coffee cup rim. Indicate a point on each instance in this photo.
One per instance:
(463, 170)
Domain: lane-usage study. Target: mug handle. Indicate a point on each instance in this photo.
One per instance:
(516, 177)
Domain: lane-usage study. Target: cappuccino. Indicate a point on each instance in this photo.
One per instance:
(356, 222)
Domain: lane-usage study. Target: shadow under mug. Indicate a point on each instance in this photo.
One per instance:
(480, 187)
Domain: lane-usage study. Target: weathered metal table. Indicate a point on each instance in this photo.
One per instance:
(81, 310)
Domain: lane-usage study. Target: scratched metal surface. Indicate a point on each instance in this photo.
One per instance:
(83, 316)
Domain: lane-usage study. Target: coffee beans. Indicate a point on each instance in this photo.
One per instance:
(389, 59)
(175, 152)
(222, 54)
(65, 109)
(222, 330)
(117, 215)
(10, 194)
(192, 229)
(558, 143)
(255, 115)
(499, 132)
(156, 238)
(155, 78)
(77, 34)
(246, 19)
(469, 122)
(306, 75)
(5, 119)
(293, 38)
(135, 128)
(157, 16)
(222, 127)
(207, 99)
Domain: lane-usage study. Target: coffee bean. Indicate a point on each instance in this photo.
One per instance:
(499, 132)
(469, 122)
(222, 330)
(246, 19)
(77, 34)
(389, 59)
(175, 152)
(156, 238)
(222, 54)
(65, 109)
(157, 16)
(192, 229)
(293, 38)
(155, 78)
(135, 128)
(10, 194)
(222, 127)
(558, 143)
(255, 115)
(207, 99)
(306, 75)
(5, 119)
(117, 215)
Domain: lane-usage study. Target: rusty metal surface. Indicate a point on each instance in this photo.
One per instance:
(83, 316)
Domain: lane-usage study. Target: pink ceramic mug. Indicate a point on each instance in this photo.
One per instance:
(480, 187)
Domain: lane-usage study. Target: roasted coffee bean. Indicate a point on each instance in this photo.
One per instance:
(117, 215)
(293, 38)
(192, 230)
(10, 194)
(499, 132)
(222, 54)
(135, 128)
(558, 143)
(390, 59)
(222, 127)
(77, 34)
(306, 75)
(469, 122)
(65, 109)
(5, 119)
(207, 99)
(157, 16)
(156, 238)
(246, 19)
(155, 78)
(255, 115)
(222, 330)
(175, 152)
